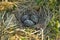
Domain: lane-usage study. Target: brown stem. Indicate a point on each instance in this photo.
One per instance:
(6, 0)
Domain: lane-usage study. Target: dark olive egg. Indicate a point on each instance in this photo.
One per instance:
(34, 18)
(28, 23)
(24, 17)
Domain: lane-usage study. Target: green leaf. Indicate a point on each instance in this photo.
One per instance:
(23, 38)
(38, 1)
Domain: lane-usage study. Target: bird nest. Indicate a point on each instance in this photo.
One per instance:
(44, 16)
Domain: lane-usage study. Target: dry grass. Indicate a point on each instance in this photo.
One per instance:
(19, 34)
(6, 5)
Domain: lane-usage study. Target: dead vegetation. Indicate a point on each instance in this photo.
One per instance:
(11, 27)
